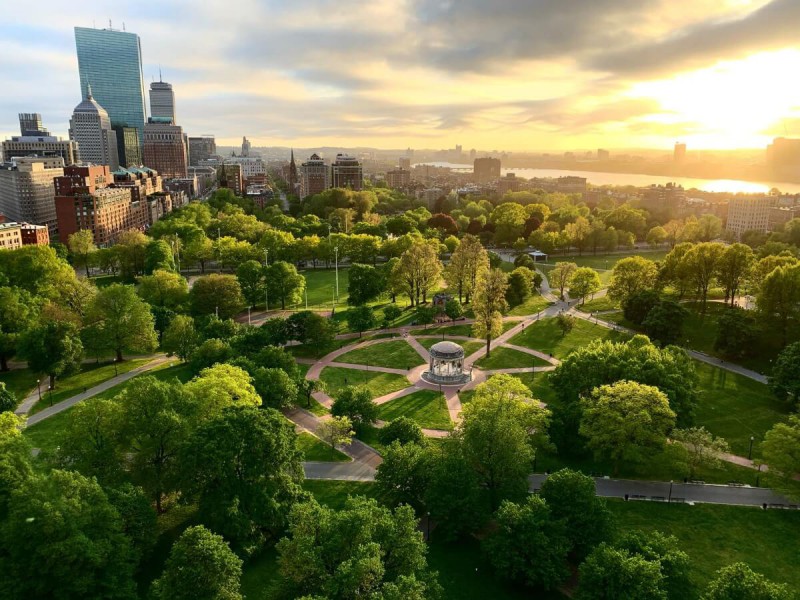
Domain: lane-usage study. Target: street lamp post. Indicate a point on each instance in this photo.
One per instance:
(266, 286)
(248, 316)
(39, 387)
(428, 537)
(336, 253)
(750, 451)
(670, 491)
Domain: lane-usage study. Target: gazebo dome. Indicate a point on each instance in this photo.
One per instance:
(447, 350)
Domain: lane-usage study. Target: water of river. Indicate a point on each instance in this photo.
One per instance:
(731, 186)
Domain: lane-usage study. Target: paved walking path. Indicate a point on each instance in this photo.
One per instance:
(91, 392)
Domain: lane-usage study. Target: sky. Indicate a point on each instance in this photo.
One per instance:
(499, 74)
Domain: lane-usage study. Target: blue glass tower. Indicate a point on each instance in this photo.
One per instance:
(111, 62)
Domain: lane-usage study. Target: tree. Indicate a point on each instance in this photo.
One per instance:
(216, 294)
(164, 288)
(488, 304)
(250, 275)
(572, 497)
(425, 315)
(335, 431)
(739, 582)
(733, 267)
(219, 387)
(674, 563)
(285, 282)
(390, 314)
(520, 286)
(626, 421)
(15, 458)
(402, 430)
(703, 449)
(467, 263)
(779, 297)
(583, 282)
(245, 496)
(199, 250)
(781, 450)
(17, 310)
(630, 275)
(8, 401)
(453, 309)
(82, 248)
(275, 386)
(702, 264)
(639, 304)
(201, 566)
(363, 550)
(784, 380)
(560, 276)
(403, 476)
(53, 348)
(365, 283)
(356, 404)
(529, 545)
(443, 222)
(737, 333)
(419, 269)
(566, 323)
(306, 387)
(62, 538)
(139, 520)
(609, 573)
(656, 236)
(131, 247)
(501, 429)
(120, 321)
(361, 318)
(210, 353)
(509, 220)
(158, 257)
(313, 330)
(180, 337)
(664, 322)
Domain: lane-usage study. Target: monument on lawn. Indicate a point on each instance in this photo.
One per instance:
(447, 365)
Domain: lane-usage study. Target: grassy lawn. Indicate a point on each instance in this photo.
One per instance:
(715, 536)
(394, 354)
(316, 450)
(531, 306)
(469, 347)
(334, 493)
(321, 286)
(545, 335)
(260, 576)
(508, 358)
(602, 303)
(337, 378)
(91, 374)
(427, 407)
(20, 382)
(170, 526)
(45, 434)
(735, 407)
(538, 383)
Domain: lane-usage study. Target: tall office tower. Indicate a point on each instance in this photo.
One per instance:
(164, 148)
(748, 213)
(346, 172)
(486, 169)
(26, 190)
(162, 101)
(201, 148)
(679, 153)
(313, 176)
(245, 146)
(129, 146)
(111, 62)
(30, 124)
(90, 127)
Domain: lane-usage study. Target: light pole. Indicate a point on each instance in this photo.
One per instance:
(266, 286)
(750, 451)
(428, 537)
(306, 292)
(336, 253)
(670, 491)
(248, 316)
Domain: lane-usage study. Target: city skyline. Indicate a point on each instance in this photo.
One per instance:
(517, 76)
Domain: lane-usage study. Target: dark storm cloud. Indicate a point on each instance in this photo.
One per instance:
(775, 25)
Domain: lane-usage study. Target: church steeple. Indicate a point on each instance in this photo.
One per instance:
(292, 174)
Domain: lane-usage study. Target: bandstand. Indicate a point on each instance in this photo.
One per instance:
(447, 365)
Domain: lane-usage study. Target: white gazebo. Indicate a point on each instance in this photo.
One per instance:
(446, 366)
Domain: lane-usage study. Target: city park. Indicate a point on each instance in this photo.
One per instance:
(719, 508)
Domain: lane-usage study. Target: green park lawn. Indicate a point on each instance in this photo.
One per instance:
(396, 354)
(321, 287)
(602, 303)
(20, 382)
(531, 306)
(91, 374)
(314, 449)
(508, 358)
(427, 408)
(538, 383)
(715, 536)
(546, 336)
(379, 384)
(469, 347)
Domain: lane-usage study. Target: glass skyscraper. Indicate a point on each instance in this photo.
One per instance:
(111, 62)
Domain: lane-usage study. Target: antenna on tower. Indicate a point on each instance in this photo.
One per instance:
(123, 26)
(159, 74)
(109, 23)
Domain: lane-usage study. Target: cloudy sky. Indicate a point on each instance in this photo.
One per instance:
(510, 74)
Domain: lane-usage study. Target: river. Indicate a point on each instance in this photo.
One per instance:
(731, 186)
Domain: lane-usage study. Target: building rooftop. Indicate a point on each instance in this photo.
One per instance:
(446, 349)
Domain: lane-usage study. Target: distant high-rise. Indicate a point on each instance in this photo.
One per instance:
(346, 172)
(405, 163)
(30, 124)
(90, 127)
(245, 147)
(26, 190)
(110, 61)
(164, 149)
(679, 154)
(162, 101)
(486, 169)
(129, 146)
(201, 148)
(314, 176)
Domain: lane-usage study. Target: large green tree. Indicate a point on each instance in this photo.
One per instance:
(674, 563)
(15, 458)
(365, 283)
(779, 298)
(781, 450)
(404, 475)
(559, 277)
(626, 421)
(216, 294)
(62, 538)
(181, 337)
(363, 550)
(82, 249)
(120, 321)
(17, 310)
(739, 582)
(610, 574)
(285, 283)
(784, 381)
(244, 495)
(53, 348)
(361, 318)
(220, 386)
(201, 566)
(488, 304)
(356, 404)
(630, 275)
(165, 289)
(250, 275)
(584, 282)
(733, 269)
(467, 264)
